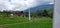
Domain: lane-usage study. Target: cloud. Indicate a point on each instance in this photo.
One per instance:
(20, 5)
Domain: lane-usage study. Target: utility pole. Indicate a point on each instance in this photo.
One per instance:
(29, 15)
(28, 11)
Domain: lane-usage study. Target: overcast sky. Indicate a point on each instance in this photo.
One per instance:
(20, 5)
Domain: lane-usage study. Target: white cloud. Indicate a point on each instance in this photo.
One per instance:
(51, 3)
(20, 4)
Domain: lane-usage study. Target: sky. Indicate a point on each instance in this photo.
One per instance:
(20, 5)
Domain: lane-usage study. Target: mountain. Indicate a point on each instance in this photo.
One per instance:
(40, 7)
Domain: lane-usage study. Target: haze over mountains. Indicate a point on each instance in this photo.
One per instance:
(40, 7)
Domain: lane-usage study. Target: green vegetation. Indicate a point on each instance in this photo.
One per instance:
(39, 19)
(35, 23)
(10, 20)
(45, 12)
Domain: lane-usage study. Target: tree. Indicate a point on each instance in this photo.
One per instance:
(26, 14)
(6, 13)
(45, 13)
(21, 12)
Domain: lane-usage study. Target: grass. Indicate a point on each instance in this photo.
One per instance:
(36, 23)
(10, 20)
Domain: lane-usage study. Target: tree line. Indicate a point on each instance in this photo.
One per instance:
(39, 13)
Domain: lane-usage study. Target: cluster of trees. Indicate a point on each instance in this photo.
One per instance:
(13, 13)
(39, 13)
(44, 13)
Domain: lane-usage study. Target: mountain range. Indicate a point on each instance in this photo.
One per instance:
(40, 7)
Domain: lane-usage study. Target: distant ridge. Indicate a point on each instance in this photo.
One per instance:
(40, 7)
